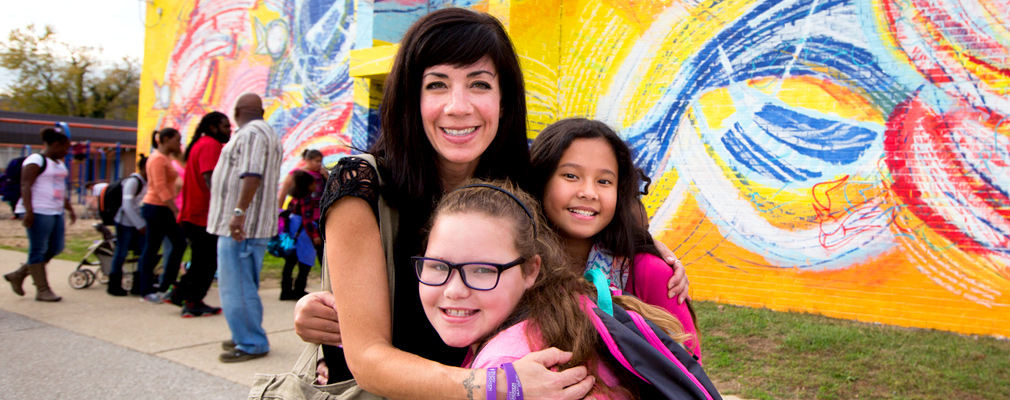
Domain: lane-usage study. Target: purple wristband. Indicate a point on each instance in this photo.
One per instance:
(492, 386)
(515, 389)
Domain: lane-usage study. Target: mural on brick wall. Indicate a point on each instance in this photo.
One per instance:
(843, 157)
(848, 158)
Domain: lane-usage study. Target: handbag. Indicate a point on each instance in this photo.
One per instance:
(283, 244)
(299, 383)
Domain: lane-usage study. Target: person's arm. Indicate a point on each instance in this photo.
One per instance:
(677, 285)
(131, 187)
(646, 283)
(70, 209)
(357, 269)
(29, 173)
(283, 192)
(248, 189)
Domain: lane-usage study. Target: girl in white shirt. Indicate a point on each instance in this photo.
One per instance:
(43, 199)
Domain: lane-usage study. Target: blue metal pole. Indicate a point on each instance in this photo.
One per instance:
(105, 166)
(115, 172)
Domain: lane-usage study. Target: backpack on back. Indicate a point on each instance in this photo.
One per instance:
(111, 199)
(646, 351)
(10, 182)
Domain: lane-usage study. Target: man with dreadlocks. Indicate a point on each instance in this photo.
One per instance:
(201, 157)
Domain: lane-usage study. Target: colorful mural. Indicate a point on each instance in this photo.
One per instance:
(843, 157)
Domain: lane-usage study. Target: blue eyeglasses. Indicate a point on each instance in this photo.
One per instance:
(475, 275)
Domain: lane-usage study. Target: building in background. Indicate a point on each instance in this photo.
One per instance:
(849, 158)
(103, 150)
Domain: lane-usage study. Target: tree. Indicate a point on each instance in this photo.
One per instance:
(54, 77)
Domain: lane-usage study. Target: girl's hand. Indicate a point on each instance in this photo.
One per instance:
(28, 219)
(539, 382)
(678, 282)
(316, 319)
(317, 241)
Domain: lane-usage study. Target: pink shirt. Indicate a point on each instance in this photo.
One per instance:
(648, 282)
(513, 343)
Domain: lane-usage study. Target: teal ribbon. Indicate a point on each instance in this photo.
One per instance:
(602, 283)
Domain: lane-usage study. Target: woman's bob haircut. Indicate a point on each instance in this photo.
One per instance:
(456, 37)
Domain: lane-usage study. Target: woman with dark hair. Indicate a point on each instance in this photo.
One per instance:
(43, 200)
(453, 109)
(159, 211)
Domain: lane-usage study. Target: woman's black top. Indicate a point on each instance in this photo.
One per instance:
(412, 332)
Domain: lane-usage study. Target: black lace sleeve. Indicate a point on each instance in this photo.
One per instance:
(352, 176)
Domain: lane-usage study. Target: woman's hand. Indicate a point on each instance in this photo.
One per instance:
(678, 282)
(28, 219)
(539, 382)
(316, 319)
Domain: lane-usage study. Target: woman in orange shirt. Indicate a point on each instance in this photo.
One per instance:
(160, 212)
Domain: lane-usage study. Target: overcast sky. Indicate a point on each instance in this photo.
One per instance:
(117, 26)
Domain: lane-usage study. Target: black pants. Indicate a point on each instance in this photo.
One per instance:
(194, 284)
(298, 286)
(160, 224)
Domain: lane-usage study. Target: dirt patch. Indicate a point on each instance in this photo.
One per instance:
(13, 235)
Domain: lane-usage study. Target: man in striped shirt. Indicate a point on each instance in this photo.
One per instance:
(243, 214)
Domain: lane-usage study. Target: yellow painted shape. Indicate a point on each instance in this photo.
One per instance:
(373, 62)
(823, 96)
(535, 29)
(160, 34)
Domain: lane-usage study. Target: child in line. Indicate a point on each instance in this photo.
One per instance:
(512, 292)
(590, 195)
(302, 221)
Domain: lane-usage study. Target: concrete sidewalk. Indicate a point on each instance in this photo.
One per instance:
(123, 342)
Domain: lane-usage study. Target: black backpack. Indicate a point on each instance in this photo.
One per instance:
(10, 181)
(111, 199)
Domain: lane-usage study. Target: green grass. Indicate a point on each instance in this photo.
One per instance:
(762, 354)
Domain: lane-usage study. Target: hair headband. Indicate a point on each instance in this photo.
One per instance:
(521, 204)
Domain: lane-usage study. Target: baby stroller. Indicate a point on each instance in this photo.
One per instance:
(99, 255)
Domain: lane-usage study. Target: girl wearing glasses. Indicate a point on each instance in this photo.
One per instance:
(493, 281)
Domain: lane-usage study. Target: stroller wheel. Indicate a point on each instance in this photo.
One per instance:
(79, 279)
(127, 280)
(91, 277)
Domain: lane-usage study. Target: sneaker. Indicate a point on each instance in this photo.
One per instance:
(228, 345)
(173, 297)
(154, 298)
(200, 309)
(237, 355)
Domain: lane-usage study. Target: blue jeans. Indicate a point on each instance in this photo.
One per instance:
(160, 224)
(45, 238)
(238, 282)
(125, 236)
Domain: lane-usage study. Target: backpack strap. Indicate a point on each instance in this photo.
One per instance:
(602, 283)
(590, 308)
(650, 336)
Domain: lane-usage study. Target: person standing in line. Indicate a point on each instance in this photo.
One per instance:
(312, 162)
(243, 214)
(43, 199)
(201, 157)
(130, 226)
(159, 211)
